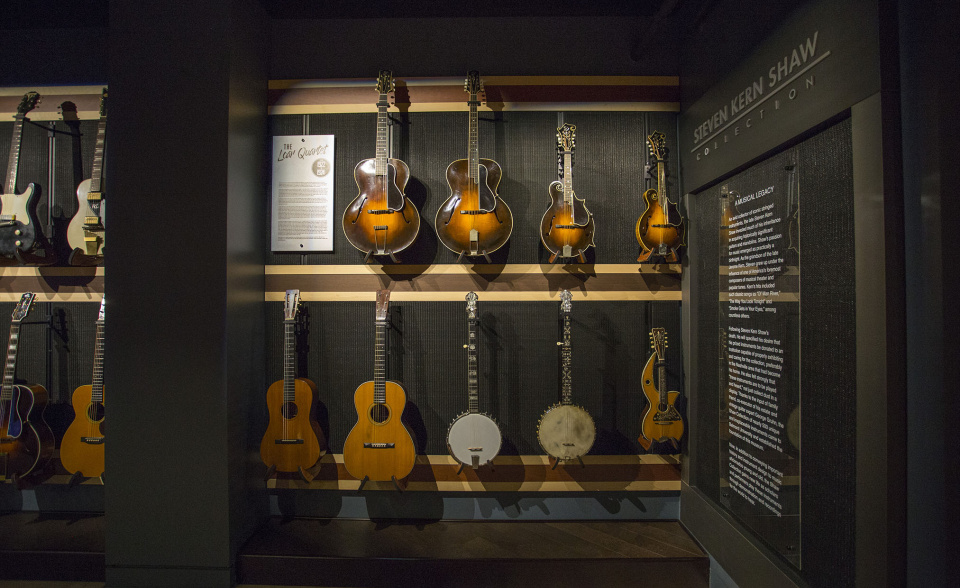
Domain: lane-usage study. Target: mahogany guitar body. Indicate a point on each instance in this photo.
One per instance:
(652, 228)
(379, 445)
(26, 441)
(291, 422)
(381, 218)
(575, 224)
(659, 423)
(463, 211)
(80, 451)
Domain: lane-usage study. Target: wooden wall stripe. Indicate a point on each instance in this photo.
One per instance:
(52, 284)
(87, 99)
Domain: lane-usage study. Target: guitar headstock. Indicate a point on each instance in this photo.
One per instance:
(28, 103)
(658, 340)
(23, 307)
(566, 301)
(291, 304)
(383, 302)
(472, 305)
(385, 83)
(103, 103)
(566, 137)
(658, 145)
(103, 304)
(473, 84)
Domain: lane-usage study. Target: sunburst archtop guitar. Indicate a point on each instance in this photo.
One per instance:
(661, 422)
(82, 448)
(566, 228)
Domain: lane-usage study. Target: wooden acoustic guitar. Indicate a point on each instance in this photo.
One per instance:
(659, 229)
(82, 448)
(379, 447)
(473, 438)
(566, 229)
(566, 431)
(86, 230)
(26, 441)
(661, 421)
(19, 226)
(293, 441)
(381, 220)
(474, 220)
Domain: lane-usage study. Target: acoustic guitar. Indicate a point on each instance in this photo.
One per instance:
(566, 229)
(379, 447)
(474, 220)
(566, 431)
(82, 448)
(293, 441)
(473, 438)
(26, 441)
(661, 421)
(381, 220)
(659, 229)
(86, 230)
(19, 226)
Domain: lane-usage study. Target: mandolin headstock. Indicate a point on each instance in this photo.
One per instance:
(103, 305)
(383, 302)
(473, 84)
(658, 145)
(23, 307)
(566, 137)
(472, 306)
(658, 340)
(291, 304)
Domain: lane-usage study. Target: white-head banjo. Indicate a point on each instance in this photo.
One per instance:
(473, 438)
(566, 431)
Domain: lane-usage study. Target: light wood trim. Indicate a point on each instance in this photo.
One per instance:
(280, 109)
(492, 80)
(87, 99)
(476, 269)
(21, 271)
(457, 296)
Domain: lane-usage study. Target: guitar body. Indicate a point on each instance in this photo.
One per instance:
(379, 445)
(474, 206)
(26, 441)
(76, 235)
(25, 229)
(381, 203)
(659, 423)
(566, 431)
(652, 229)
(295, 420)
(76, 454)
(474, 439)
(565, 225)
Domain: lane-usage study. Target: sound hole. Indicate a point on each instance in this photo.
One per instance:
(95, 412)
(379, 413)
(289, 410)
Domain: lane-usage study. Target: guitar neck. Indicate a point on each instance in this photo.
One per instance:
(289, 360)
(11, 366)
(382, 135)
(472, 380)
(13, 159)
(97, 175)
(662, 378)
(379, 364)
(96, 394)
(568, 178)
(473, 148)
(566, 359)
(662, 189)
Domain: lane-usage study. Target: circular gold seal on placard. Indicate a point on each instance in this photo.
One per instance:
(321, 167)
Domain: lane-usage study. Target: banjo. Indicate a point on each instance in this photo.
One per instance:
(566, 431)
(473, 438)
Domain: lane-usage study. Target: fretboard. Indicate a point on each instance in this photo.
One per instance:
(566, 359)
(11, 366)
(289, 361)
(382, 135)
(662, 189)
(379, 364)
(472, 380)
(568, 178)
(10, 184)
(662, 379)
(97, 175)
(96, 393)
(473, 148)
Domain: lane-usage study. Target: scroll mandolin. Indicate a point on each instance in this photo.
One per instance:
(86, 231)
(19, 226)
(293, 441)
(26, 441)
(661, 422)
(379, 447)
(381, 220)
(567, 226)
(82, 448)
(660, 228)
(474, 220)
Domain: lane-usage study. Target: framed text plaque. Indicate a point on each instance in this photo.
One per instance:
(302, 193)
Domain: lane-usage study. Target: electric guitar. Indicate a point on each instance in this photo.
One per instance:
(473, 438)
(659, 229)
(381, 220)
(661, 422)
(473, 220)
(566, 431)
(83, 444)
(19, 226)
(566, 229)
(379, 447)
(293, 441)
(86, 230)
(26, 441)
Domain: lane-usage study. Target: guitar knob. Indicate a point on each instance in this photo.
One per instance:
(464, 345)
(17, 232)
(17, 243)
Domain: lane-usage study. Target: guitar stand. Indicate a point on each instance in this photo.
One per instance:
(270, 472)
(303, 474)
(370, 254)
(81, 259)
(580, 459)
(460, 469)
(581, 258)
(101, 480)
(362, 482)
(75, 480)
(555, 464)
(485, 255)
(396, 483)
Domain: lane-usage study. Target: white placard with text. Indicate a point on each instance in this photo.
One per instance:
(302, 196)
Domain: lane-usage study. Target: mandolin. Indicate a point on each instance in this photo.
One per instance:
(19, 226)
(566, 431)
(473, 438)
(293, 441)
(381, 220)
(83, 444)
(567, 226)
(474, 220)
(661, 422)
(86, 230)
(26, 441)
(379, 447)
(660, 228)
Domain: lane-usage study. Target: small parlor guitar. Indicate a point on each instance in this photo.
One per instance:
(381, 220)
(474, 220)
(19, 227)
(566, 431)
(26, 441)
(661, 422)
(567, 226)
(81, 450)
(379, 447)
(660, 228)
(473, 438)
(86, 231)
(293, 441)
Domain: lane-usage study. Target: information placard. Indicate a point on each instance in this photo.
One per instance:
(302, 196)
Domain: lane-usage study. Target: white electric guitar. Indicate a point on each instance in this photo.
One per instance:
(19, 227)
(474, 438)
(86, 231)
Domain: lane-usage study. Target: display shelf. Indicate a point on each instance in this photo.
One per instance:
(87, 99)
(52, 284)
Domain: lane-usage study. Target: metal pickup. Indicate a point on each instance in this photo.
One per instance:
(92, 440)
(94, 196)
(289, 441)
(378, 445)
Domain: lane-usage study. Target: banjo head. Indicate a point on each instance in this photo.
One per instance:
(474, 434)
(566, 431)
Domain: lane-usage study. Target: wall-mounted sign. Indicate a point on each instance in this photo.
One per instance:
(302, 196)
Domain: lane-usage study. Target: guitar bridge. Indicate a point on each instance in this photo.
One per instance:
(92, 440)
(378, 445)
(477, 449)
(289, 441)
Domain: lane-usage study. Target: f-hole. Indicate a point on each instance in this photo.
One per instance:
(379, 413)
